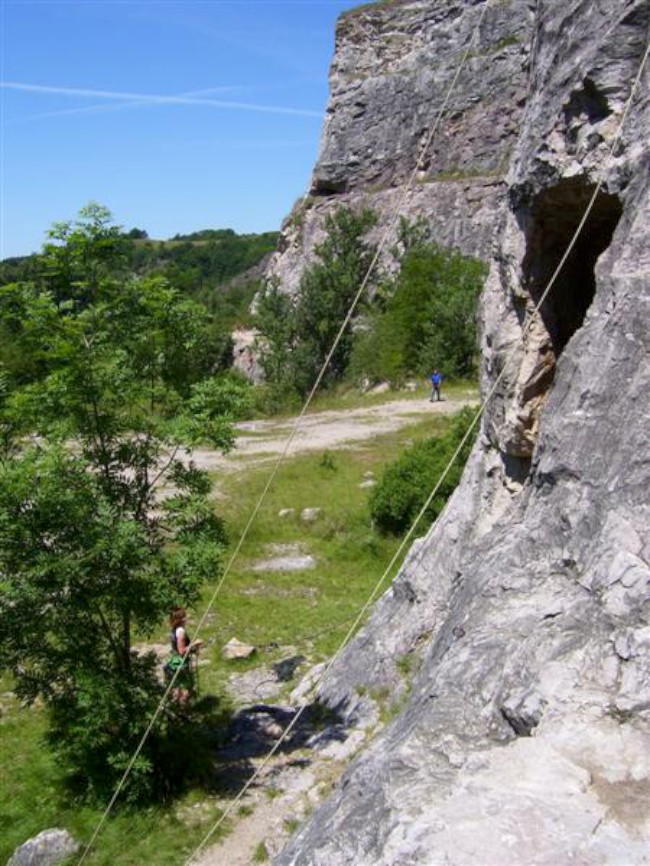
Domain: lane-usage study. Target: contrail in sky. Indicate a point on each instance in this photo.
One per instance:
(153, 99)
(110, 106)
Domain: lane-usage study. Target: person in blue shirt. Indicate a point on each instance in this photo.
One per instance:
(436, 382)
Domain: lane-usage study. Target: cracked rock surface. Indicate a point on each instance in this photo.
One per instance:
(392, 68)
(514, 645)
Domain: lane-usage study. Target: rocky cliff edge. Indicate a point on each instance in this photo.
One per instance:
(513, 648)
(393, 67)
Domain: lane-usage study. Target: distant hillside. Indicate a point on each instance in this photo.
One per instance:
(197, 263)
(204, 259)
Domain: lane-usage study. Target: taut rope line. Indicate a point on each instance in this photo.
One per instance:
(436, 487)
(380, 248)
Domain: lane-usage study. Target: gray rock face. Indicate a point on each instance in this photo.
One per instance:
(392, 69)
(47, 849)
(245, 355)
(524, 736)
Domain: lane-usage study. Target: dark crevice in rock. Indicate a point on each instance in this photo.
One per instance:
(588, 102)
(548, 480)
(523, 724)
(404, 590)
(323, 186)
(516, 469)
(554, 216)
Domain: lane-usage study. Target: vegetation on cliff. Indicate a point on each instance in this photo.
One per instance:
(299, 333)
(420, 316)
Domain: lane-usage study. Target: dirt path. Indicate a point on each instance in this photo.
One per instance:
(286, 791)
(283, 796)
(320, 431)
(264, 822)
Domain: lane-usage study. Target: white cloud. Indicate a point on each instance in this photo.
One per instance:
(156, 99)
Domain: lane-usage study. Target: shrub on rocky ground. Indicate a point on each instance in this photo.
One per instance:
(409, 480)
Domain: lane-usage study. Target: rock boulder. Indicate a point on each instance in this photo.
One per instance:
(49, 848)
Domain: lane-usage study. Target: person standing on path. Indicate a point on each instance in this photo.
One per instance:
(436, 382)
(181, 650)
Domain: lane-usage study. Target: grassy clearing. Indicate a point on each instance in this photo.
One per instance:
(32, 800)
(309, 611)
(306, 612)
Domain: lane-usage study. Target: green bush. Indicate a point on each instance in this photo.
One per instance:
(406, 483)
(425, 318)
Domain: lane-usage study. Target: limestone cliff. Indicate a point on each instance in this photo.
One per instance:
(392, 69)
(524, 734)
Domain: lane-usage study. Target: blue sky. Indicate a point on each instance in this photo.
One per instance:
(177, 116)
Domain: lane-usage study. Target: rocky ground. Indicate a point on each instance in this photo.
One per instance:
(287, 789)
(301, 775)
(329, 430)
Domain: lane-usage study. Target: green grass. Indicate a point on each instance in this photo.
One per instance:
(291, 825)
(506, 42)
(261, 854)
(32, 800)
(308, 611)
(366, 7)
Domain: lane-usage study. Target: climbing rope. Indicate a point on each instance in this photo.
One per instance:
(525, 330)
(388, 233)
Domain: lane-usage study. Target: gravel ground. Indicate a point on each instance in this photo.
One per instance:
(330, 430)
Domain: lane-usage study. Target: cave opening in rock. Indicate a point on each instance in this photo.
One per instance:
(555, 215)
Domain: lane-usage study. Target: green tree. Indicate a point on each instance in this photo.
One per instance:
(276, 322)
(426, 318)
(450, 338)
(309, 325)
(102, 525)
(218, 268)
(327, 289)
(83, 254)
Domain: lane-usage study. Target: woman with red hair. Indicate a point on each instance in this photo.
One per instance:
(181, 650)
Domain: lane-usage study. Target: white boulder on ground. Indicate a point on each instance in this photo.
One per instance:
(310, 515)
(49, 848)
(235, 649)
(294, 562)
